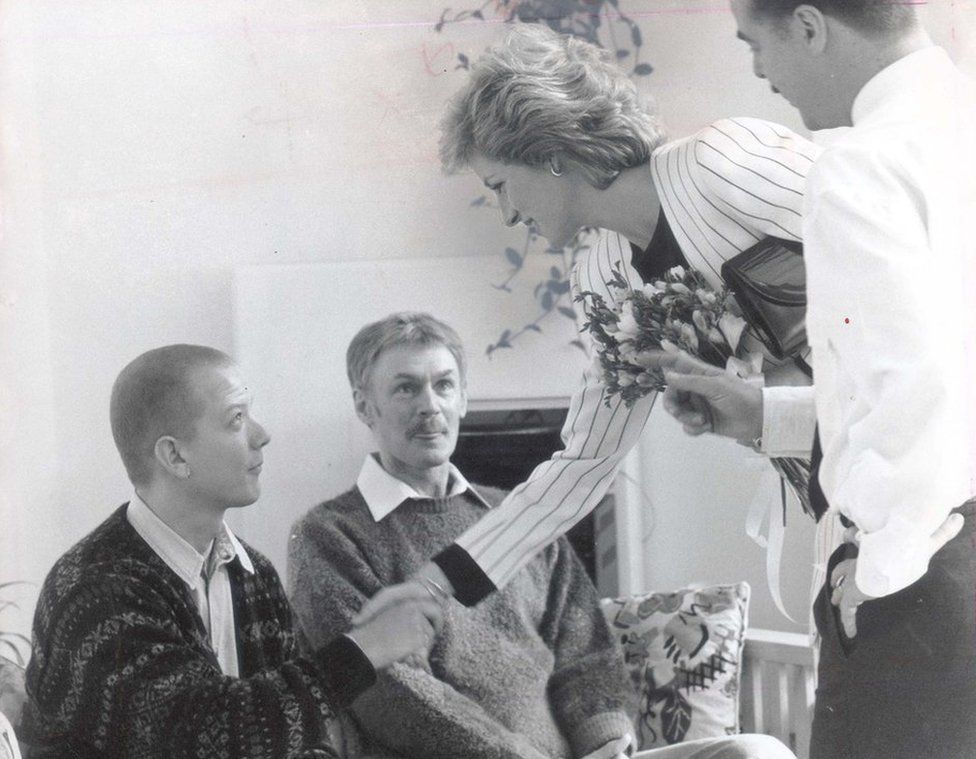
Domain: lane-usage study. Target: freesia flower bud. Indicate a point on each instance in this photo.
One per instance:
(627, 324)
(670, 347)
(732, 327)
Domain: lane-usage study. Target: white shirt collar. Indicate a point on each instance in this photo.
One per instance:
(177, 553)
(383, 492)
(894, 81)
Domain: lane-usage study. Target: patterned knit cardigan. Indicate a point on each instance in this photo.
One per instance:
(122, 667)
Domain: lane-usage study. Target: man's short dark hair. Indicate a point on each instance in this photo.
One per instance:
(152, 397)
(876, 17)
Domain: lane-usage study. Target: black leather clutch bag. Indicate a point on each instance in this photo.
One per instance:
(769, 284)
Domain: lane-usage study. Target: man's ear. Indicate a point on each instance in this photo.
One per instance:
(810, 26)
(464, 402)
(169, 455)
(364, 409)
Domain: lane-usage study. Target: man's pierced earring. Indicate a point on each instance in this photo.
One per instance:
(552, 168)
(187, 471)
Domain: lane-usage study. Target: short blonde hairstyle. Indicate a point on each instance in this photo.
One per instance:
(153, 396)
(538, 96)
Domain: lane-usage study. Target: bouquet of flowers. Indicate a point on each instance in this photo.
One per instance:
(680, 312)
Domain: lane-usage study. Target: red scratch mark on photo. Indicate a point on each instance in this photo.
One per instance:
(390, 105)
(430, 57)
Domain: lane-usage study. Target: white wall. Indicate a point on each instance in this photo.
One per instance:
(151, 147)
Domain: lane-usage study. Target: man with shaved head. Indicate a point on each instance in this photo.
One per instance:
(161, 634)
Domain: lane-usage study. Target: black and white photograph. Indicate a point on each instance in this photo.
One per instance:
(488, 379)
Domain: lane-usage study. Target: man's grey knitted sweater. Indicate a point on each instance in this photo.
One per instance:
(532, 671)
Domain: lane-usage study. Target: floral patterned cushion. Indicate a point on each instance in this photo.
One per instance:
(683, 651)
(12, 691)
(8, 741)
(12, 698)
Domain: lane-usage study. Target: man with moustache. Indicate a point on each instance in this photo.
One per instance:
(530, 672)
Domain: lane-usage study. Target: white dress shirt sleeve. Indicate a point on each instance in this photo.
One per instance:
(883, 319)
(753, 173)
(789, 421)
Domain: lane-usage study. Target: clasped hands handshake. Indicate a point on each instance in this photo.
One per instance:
(400, 622)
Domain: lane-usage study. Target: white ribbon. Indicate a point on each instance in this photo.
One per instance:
(763, 507)
(769, 510)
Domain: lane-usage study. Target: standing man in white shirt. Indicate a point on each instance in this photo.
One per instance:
(890, 319)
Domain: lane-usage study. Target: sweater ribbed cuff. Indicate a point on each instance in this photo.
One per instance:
(469, 580)
(345, 669)
(598, 730)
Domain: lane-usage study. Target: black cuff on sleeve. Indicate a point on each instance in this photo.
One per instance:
(346, 670)
(470, 582)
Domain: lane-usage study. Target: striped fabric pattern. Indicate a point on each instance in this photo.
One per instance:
(729, 186)
(722, 190)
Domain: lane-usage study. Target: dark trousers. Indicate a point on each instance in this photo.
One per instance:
(905, 686)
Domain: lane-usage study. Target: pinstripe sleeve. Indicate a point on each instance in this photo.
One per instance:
(731, 184)
(564, 489)
(754, 172)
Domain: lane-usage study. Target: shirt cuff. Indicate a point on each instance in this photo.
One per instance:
(789, 421)
(345, 669)
(469, 580)
(891, 559)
